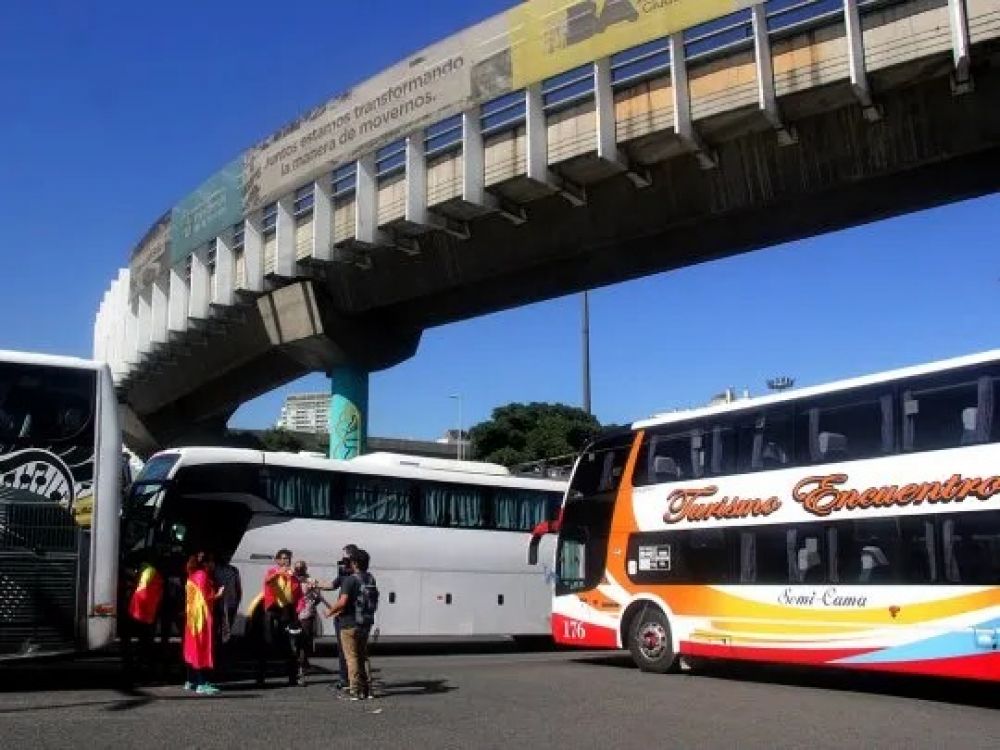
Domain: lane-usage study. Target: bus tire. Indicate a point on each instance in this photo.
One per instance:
(650, 641)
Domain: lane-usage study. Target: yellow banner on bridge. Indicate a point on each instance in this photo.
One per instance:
(552, 36)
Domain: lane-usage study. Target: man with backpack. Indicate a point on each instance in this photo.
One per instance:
(355, 613)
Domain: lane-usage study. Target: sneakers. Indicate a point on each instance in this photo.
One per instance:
(294, 630)
(207, 689)
(189, 685)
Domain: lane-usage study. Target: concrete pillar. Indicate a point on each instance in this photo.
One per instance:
(416, 179)
(200, 280)
(856, 60)
(132, 334)
(144, 337)
(179, 299)
(366, 201)
(348, 412)
(604, 101)
(284, 238)
(767, 99)
(474, 160)
(322, 248)
(683, 123)
(536, 134)
(958, 19)
(253, 252)
(225, 270)
(160, 301)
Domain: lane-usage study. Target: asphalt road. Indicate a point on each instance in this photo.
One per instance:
(493, 696)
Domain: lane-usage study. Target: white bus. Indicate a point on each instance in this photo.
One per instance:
(60, 452)
(852, 525)
(447, 538)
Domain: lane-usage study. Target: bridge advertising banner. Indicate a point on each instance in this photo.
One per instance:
(204, 214)
(433, 84)
(552, 36)
(149, 258)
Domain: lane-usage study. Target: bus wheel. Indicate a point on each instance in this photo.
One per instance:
(650, 642)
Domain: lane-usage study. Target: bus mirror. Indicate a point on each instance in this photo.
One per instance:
(178, 531)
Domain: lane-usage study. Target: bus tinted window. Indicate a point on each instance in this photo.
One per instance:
(766, 441)
(845, 428)
(453, 505)
(971, 546)
(45, 404)
(157, 468)
(600, 467)
(381, 499)
(519, 510)
(299, 492)
(937, 416)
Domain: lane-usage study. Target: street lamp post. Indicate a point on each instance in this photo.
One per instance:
(458, 398)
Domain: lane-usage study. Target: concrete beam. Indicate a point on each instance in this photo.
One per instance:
(253, 253)
(223, 288)
(766, 97)
(415, 205)
(959, 21)
(856, 61)
(200, 281)
(474, 161)
(683, 125)
(284, 238)
(179, 300)
(159, 309)
(366, 229)
(322, 249)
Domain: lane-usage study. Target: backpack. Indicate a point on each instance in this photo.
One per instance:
(366, 603)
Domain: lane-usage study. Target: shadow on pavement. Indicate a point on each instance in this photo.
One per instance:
(942, 690)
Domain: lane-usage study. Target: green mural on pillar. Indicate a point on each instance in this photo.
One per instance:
(348, 412)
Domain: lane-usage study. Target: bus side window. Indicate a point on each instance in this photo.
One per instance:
(766, 442)
(948, 416)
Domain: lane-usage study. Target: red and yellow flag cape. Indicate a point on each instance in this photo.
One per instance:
(145, 602)
(198, 624)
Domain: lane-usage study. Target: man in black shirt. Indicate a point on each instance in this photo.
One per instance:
(354, 614)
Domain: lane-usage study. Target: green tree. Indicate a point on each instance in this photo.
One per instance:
(519, 433)
(280, 440)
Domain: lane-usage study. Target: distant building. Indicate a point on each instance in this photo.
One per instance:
(306, 412)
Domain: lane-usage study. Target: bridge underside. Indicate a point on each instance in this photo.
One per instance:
(930, 147)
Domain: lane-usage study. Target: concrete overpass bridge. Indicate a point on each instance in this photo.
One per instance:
(553, 148)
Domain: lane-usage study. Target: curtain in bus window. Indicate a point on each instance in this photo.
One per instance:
(301, 493)
(984, 412)
(748, 557)
(380, 499)
(697, 454)
(949, 542)
(453, 505)
(518, 510)
(791, 547)
(887, 403)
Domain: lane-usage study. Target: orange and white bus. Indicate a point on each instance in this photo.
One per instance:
(852, 525)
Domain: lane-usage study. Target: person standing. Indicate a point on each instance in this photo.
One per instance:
(200, 596)
(227, 577)
(355, 608)
(312, 597)
(280, 626)
(143, 612)
(343, 571)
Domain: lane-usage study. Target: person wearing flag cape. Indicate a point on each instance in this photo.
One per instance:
(200, 596)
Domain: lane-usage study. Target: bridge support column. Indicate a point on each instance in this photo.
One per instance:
(683, 124)
(856, 61)
(766, 97)
(348, 411)
(959, 20)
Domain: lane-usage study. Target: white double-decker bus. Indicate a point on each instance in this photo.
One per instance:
(852, 525)
(446, 538)
(60, 463)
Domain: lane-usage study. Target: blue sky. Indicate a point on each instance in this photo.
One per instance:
(114, 112)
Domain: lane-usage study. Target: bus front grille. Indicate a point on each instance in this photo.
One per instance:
(38, 603)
